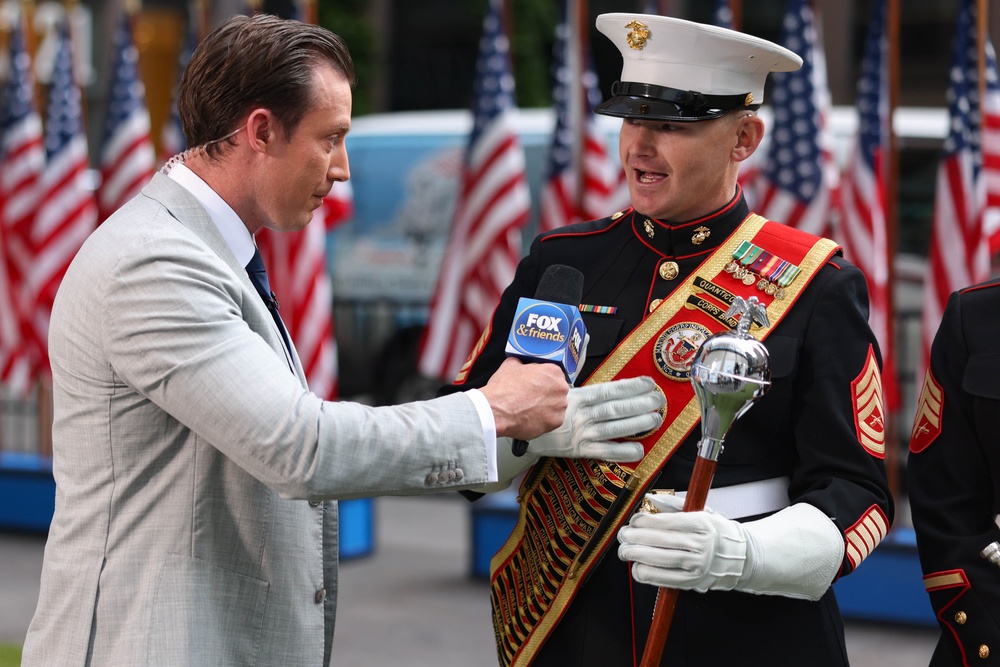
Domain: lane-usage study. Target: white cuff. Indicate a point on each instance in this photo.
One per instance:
(489, 431)
(795, 553)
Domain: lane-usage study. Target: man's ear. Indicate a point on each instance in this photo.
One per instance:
(749, 132)
(260, 126)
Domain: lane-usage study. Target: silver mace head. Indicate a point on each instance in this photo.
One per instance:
(730, 372)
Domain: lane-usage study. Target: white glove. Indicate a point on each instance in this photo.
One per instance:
(595, 415)
(794, 553)
(698, 551)
(599, 413)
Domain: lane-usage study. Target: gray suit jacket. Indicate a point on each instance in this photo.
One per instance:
(186, 451)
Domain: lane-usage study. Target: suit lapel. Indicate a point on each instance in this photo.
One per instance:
(184, 208)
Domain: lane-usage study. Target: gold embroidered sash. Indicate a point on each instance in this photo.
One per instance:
(571, 509)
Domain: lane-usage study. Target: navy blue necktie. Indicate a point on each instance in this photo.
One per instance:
(258, 276)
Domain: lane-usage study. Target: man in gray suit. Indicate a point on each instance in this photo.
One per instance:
(193, 466)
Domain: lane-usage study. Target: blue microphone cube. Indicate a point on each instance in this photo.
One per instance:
(547, 331)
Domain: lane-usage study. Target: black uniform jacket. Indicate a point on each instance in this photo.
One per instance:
(954, 477)
(804, 428)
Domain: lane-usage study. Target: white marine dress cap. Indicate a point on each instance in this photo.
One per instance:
(685, 71)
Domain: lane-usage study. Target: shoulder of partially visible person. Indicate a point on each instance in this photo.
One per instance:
(969, 326)
(983, 294)
(977, 309)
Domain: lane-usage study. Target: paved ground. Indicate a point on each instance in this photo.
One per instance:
(413, 602)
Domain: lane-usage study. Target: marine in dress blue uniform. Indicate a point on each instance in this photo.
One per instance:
(816, 436)
(954, 478)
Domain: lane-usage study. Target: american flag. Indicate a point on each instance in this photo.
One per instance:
(797, 180)
(958, 255)
(575, 94)
(127, 156)
(484, 244)
(22, 159)
(68, 211)
(863, 230)
(296, 265)
(991, 152)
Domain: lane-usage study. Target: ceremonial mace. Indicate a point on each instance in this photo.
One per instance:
(729, 373)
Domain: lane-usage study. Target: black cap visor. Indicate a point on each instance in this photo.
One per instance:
(649, 102)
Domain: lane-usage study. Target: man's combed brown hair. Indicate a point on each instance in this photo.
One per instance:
(255, 62)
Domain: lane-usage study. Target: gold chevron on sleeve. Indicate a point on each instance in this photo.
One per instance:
(927, 421)
(869, 415)
(865, 535)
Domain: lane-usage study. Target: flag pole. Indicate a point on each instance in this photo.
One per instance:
(507, 16)
(736, 7)
(27, 19)
(70, 8)
(578, 24)
(982, 12)
(202, 18)
(891, 172)
(309, 14)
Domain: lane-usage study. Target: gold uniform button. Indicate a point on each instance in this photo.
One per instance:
(984, 651)
(961, 617)
(654, 303)
(669, 270)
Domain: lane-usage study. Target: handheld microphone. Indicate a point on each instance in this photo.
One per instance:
(549, 328)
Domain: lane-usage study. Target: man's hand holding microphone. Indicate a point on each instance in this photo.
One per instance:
(548, 332)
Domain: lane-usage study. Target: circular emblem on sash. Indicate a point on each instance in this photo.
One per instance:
(675, 349)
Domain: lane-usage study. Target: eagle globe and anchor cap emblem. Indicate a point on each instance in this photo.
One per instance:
(638, 35)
